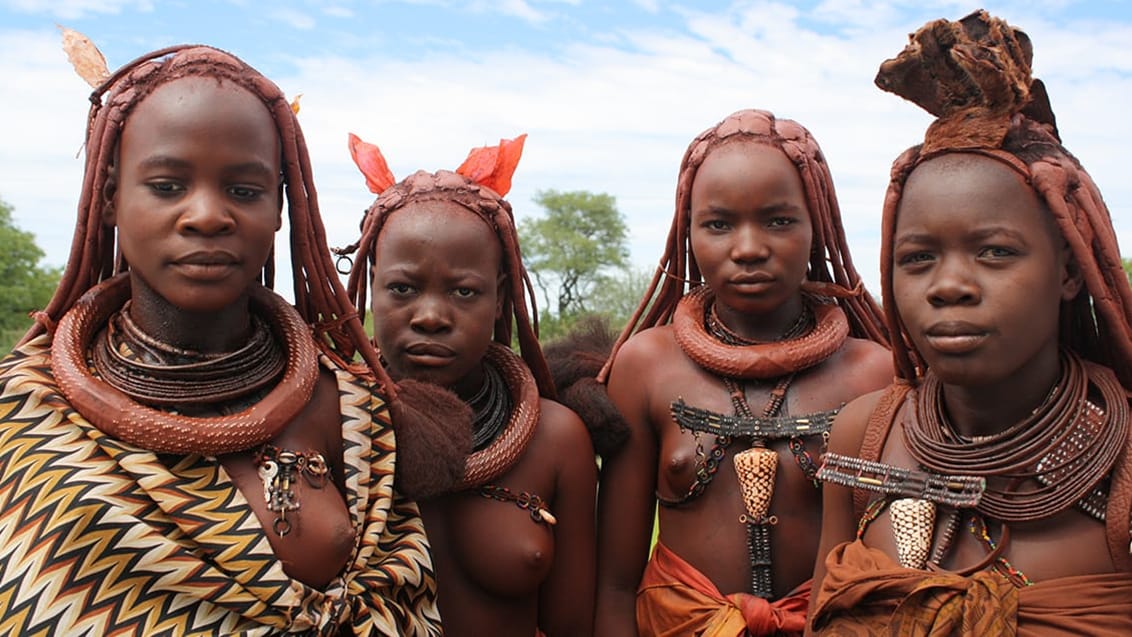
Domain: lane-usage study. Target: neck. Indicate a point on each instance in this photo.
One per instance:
(224, 330)
(468, 386)
(984, 410)
(767, 327)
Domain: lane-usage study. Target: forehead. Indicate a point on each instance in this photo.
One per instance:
(746, 171)
(190, 104)
(969, 188)
(745, 155)
(437, 227)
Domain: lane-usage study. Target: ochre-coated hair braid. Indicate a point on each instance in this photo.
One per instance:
(974, 74)
(830, 262)
(486, 204)
(319, 294)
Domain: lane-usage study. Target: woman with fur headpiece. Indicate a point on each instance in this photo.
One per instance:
(989, 489)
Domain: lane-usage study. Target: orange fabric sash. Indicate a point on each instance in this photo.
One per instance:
(866, 592)
(677, 599)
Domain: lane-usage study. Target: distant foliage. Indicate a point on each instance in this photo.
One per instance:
(573, 248)
(25, 285)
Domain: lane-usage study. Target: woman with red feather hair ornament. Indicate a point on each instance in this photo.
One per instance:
(513, 542)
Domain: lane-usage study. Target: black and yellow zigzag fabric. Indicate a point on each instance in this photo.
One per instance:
(101, 538)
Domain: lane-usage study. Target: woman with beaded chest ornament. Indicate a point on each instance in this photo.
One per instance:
(728, 389)
(989, 489)
(179, 455)
(513, 542)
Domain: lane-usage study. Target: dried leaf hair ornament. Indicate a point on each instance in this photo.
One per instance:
(88, 61)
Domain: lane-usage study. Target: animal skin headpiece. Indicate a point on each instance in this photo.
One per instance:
(974, 75)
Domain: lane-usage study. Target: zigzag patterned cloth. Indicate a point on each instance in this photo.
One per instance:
(101, 538)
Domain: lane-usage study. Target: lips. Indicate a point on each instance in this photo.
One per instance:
(210, 265)
(751, 278)
(211, 257)
(429, 349)
(428, 354)
(955, 337)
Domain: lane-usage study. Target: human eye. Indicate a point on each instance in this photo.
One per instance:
(997, 252)
(781, 222)
(165, 188)
(715, 224)
(465, 292)
(245, 193)
(399, 289)
(914, 259)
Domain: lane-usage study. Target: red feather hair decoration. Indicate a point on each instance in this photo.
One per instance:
(490, 166)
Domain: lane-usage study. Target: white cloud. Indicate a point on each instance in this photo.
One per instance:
(603, 117)
(294, 19)
(514, 8)
(73, 9)
(651, 6)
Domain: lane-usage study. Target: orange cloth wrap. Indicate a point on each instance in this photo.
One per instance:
(866, 592)
(676, 599)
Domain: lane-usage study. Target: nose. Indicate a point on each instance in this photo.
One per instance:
(430, 316)
(206, 213)
(953, 283)
(749, 245)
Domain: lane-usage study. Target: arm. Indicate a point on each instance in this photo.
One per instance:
(839, 522)
(566, 597)
(627, 496)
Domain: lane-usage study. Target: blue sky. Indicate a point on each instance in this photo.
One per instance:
(610, 93)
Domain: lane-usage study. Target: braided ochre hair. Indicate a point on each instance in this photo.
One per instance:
(319, 294)
(830, 262)
(485, 203)
(974, 75)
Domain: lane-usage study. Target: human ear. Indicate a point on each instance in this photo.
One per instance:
(109, 191)
(500, 289)
(279, 205)
(1071, 277)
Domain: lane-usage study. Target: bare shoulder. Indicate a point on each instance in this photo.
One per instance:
(641, 352)
(865, 364)
(849, 427)
(562, 428)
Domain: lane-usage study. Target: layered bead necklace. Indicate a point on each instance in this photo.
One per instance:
(1057, 457)
(498, 412)
(1067, 443)
(155, 373)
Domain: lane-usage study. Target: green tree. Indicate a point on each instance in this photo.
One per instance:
(571, 248)
(1128, 268)
(618, 294)
(25, 285)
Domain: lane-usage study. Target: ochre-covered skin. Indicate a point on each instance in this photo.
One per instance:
(757, 225)
(191, 155)
(439, 257)
(998, 251)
